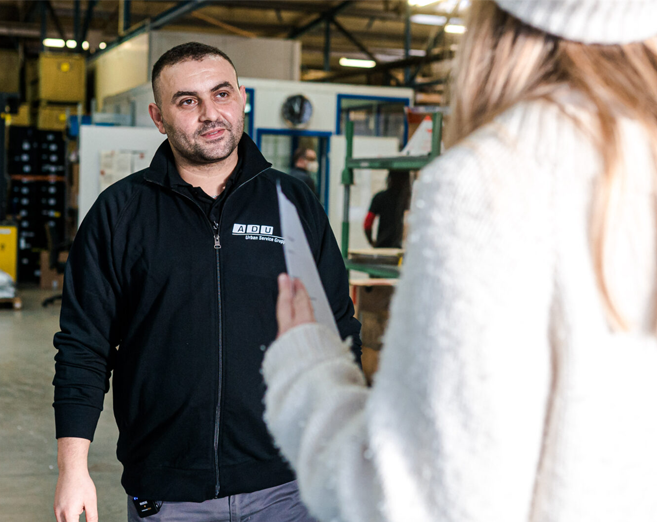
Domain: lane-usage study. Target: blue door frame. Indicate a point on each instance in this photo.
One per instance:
(294, 134)
(405, 101)
(251, 92)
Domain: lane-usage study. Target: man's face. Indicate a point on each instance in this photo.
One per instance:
(200, 109)
(309, 162)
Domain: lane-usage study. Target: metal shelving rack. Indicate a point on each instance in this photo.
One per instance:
(393, 163)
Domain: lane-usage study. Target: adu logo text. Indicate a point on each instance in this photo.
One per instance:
(256, 233)
(252, 229)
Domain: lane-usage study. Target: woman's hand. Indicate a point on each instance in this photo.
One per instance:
(293, 307)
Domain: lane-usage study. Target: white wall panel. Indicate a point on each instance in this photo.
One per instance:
(253, 57)
(122, 68)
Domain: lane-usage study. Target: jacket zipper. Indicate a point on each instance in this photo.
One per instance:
(216, 233)
(217, 247)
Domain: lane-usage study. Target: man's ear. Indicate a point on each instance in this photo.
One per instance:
(156, 116)
(243, 94)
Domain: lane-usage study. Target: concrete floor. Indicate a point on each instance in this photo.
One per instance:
(28, 450)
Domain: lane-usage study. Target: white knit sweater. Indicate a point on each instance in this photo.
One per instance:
(502, 394)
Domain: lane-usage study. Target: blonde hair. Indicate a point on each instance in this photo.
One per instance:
(504, 61)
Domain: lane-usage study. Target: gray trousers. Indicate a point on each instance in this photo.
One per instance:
(277, 504)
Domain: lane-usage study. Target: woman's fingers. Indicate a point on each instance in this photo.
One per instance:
(303, 307)
(293, 306)
(284, 307)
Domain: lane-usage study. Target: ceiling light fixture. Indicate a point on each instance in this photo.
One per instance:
(353, 62)
(427, 19)
(455, 29)
(102, 45)
(71, 44)
(54, 42)
(85, 45)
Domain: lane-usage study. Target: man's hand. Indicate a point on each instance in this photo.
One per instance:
(293, 307)
(75, 491)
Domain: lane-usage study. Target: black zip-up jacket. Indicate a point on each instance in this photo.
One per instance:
(191, 307)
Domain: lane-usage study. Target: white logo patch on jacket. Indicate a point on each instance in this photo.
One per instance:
(256, 233)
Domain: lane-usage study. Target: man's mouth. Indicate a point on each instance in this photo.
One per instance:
(212, 134)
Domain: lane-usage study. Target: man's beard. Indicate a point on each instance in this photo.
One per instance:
(199, 153)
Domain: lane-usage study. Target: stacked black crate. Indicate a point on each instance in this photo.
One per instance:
(36, 163)
(22, 165)
(52, 164)
(22, 151)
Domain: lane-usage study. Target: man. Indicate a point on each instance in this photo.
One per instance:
(389, 206)
(305, 164)
(177, 265)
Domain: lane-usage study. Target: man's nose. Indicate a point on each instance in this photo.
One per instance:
(209, 112)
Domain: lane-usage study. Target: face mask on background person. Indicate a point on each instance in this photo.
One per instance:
(312, 166)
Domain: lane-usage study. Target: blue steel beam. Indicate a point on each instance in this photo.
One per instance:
(407, 43)
(127, 19)
(295, 33)
(361, 48)
(55, 20)
(29, 14)
(87, 19)
(77, 30)
(44, 23)
(327, 45)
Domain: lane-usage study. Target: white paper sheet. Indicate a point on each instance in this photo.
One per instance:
(117, 164)
(300, 262)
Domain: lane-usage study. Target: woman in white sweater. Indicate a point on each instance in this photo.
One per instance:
(518, 377)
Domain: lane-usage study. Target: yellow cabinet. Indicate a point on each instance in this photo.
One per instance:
(62, 77)
(10, 66)
(8, 249)
(53, 117)
(23, 116)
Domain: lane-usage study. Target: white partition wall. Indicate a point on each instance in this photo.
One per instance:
(98, 140)
(122, 68)
(272, 58)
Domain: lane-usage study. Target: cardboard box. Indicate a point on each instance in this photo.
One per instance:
(74, 188)
(371, 299)
(370, 360)
(373, 326)
(50, 279)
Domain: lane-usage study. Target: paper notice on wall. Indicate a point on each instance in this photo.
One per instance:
(117, 164)
(300, 261)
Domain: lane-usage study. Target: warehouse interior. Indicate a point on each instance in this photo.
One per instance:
(362, 84)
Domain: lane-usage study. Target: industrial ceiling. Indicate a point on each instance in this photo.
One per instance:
(386, 32)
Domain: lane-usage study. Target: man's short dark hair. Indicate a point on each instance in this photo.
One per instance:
(182, 53)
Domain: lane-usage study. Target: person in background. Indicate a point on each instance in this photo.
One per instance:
(517, 377)
(177, 265)
(305, 165)
(389, 206)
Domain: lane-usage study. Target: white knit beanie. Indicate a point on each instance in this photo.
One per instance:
(588, 21)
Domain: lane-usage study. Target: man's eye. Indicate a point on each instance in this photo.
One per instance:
(187, 102)
(222, 94)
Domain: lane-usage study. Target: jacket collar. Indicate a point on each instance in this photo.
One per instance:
(253, 163)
